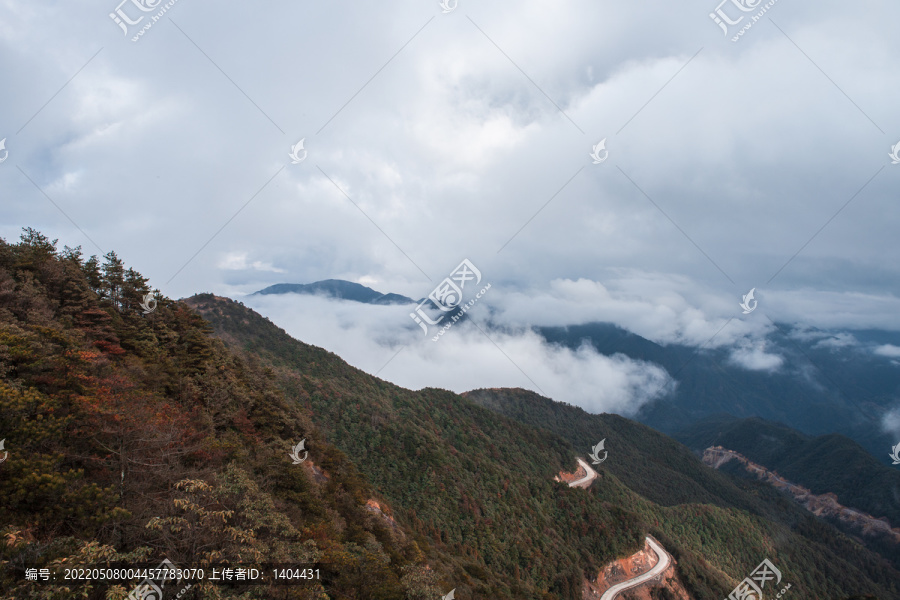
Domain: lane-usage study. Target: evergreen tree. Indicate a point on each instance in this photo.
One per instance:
(113, 280)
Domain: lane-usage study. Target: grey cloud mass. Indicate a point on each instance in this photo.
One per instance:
(431, 137)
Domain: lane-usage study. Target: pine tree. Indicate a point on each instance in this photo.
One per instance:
(113, 279)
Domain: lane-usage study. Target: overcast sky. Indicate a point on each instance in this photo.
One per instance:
(434, 136)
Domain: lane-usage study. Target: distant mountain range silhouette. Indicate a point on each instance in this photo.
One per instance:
(338, 289)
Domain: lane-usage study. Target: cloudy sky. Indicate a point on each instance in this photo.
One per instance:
(432, 136)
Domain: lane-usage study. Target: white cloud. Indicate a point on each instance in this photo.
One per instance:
(369, 336)
(663, 308)
(890, 423)
(838, 340)
(888, 350)
(831, 309)
(753, 356)
(237, 261)
(459, 142)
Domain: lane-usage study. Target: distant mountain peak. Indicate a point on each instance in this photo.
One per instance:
(338, 289)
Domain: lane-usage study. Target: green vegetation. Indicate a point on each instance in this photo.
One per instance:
(490, 454)
(823, 464)
(709, 521)
(827, 463)
(844, 390)
(472, 483)
(137, 437)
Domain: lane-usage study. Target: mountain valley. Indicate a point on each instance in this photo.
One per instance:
(138, 435)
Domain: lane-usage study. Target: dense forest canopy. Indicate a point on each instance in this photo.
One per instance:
(138, 435)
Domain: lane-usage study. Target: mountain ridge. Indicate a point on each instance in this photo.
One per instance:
(821, 505)
(136, 435)
(819, 388)
(338, 289)
(863, 482)
(131, 437)
(856, 391)
(456, 438)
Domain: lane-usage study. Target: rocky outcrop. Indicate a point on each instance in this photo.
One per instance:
(824, 505)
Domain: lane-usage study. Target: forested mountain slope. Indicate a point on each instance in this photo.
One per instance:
(139, 435)
(827, 463)
(477, 482)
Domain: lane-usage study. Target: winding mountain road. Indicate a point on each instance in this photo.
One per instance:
(661, 566)
(587, 479)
